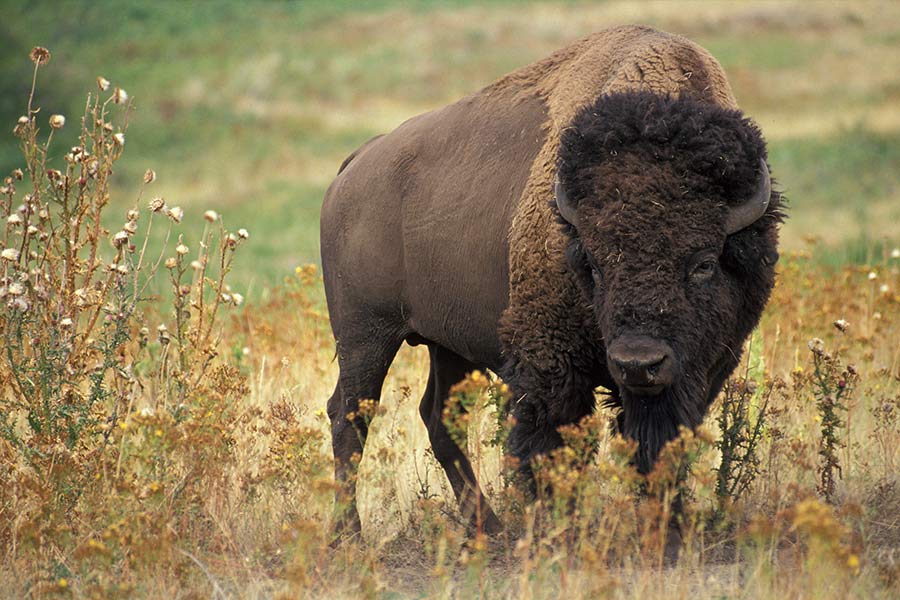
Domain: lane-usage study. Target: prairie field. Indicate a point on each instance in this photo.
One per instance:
(167, 355)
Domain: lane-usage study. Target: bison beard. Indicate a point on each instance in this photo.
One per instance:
(654, 422)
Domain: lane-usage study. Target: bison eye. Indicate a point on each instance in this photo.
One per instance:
(704, 270)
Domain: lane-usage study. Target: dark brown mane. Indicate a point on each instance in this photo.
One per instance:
(720, 146)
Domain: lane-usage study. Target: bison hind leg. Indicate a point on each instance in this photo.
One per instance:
(346, 515)
(448, 369)
(363, 362)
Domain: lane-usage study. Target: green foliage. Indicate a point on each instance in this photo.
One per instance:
(741, 418)
(830, 172)
(781, 50)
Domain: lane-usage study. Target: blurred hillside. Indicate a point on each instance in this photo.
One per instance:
(250, 107)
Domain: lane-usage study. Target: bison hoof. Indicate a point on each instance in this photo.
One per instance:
(347, 528)
(491, 524)
(673, 547)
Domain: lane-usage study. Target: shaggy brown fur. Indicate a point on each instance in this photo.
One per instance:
(443, 232)
(655, 176)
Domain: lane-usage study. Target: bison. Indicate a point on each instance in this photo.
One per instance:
(602, 217)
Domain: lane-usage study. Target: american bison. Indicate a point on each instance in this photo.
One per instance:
(602, 217)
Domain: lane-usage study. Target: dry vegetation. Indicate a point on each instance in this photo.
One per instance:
(158, 441)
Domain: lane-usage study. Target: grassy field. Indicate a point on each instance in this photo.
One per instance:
(282, 92)
(206, 470)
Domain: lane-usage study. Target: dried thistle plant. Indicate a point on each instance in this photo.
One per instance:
(77, 358)
(833, 383)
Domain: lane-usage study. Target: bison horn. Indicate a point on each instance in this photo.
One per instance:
(752, 209)
(563, 205)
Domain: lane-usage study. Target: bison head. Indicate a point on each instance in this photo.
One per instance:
(673, 223)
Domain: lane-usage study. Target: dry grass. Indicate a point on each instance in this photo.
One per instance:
(201, 466)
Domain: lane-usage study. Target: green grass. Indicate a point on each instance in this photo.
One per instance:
(842, 188)
(285, 234)
(249, 108)
(781, 50)
(833, 171)
(862, 250)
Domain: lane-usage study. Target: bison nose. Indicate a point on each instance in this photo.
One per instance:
(641, 364)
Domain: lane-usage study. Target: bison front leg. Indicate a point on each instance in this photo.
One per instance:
(533, 435)
(544, 402)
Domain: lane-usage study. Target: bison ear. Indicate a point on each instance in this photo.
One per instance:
(576, 257)
(563, 204)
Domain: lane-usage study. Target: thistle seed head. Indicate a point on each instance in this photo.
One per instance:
(39, 55)
(175, 213)
(120, 96)
(120, 239)
(10, 254)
